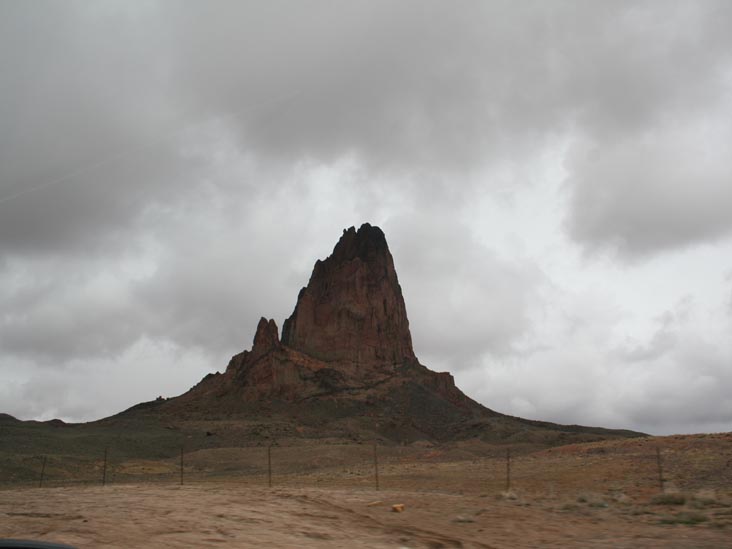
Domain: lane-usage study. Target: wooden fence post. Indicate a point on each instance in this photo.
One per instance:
(104, 467)
(508, 470)
(269, 465)
(43, 470)
(376, 467)
(659, 463)
(181, 465)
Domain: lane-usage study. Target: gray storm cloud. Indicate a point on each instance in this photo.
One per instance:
(169, 172)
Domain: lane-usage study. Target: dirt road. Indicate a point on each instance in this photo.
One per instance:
(218, 515)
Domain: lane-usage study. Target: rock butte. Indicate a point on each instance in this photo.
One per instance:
(349, 332)
(345, 364)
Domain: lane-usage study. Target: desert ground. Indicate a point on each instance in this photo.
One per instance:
(603, 494)
(215, 515)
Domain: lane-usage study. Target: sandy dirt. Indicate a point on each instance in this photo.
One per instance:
(215, 515)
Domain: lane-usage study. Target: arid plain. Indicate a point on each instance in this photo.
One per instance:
(603, 494)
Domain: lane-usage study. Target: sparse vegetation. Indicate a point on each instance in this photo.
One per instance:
(686, 517)
(669, 499)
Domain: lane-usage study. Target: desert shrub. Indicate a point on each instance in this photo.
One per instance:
(699, 503)
(592, 500)
(688, 517)
(621, 498)
(669, 499)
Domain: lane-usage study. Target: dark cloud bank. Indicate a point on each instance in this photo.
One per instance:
(169, 172)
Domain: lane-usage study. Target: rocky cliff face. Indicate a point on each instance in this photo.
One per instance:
(347, 342)
(352, 310)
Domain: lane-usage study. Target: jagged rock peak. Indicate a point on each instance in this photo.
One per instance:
(266, 338)
(352, 309)
(364, 243)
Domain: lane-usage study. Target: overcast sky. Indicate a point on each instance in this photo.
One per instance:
(554, 180)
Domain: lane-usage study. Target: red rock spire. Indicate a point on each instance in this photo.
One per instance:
(352, 309)
(266, 337)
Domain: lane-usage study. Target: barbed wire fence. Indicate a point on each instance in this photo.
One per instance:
(556, 471)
